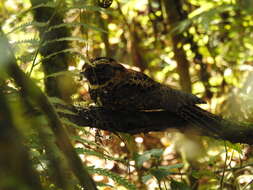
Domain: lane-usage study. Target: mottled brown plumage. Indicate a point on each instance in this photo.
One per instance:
(117, 88)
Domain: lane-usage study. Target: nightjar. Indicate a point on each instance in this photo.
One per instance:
(116, 88)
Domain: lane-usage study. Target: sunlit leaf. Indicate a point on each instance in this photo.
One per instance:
(34, 23)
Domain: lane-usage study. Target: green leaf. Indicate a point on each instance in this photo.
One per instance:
(147, 155)
(98, 154)
(84, 141)
(100, 184)
(55, 100)
(64, 39)
(162, 172)
(140, 159)
(69, 50)
(156, 152)
(115, 177)
(171, 166)
(159, 174)
(75, 24)
(69, 123)
(26, 58)
(237, 147)
(33, 41)
(80, 128)
(68, 112)
(87, 7)
(22, 26)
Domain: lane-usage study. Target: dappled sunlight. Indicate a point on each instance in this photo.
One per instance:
(199, 47)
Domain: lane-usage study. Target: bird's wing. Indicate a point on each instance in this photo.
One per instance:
(133, 90)
(143, 93)
(139, 79)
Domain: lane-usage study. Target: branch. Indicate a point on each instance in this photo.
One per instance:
(143, 122)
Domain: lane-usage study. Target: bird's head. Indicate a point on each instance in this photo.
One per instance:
(101, 70)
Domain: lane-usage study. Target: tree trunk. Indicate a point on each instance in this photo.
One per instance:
(174, 13)
(54, 85)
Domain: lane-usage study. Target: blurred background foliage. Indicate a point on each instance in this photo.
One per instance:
(201, 46)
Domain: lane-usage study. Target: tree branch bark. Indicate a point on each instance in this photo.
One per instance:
(48, 46)
(174, 10)
(143, 122)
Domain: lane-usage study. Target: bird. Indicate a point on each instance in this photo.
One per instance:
(117, 88)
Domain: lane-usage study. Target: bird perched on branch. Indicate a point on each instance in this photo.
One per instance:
(116, 88)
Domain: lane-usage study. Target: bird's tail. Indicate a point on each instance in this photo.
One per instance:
(202, 119)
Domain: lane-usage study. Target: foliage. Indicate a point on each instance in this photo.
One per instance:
(137, 33)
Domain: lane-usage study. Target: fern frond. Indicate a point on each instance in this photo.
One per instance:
(87, 8)
(48, 5)
(74, 24)
(115, 177)
(98, 154)
(84, 141)
(22, 26)
(69, 50)
(34, 42)
(71, 124)
(64, 39)
(55, 100)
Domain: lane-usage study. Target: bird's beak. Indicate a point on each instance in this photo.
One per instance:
(85, 66)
